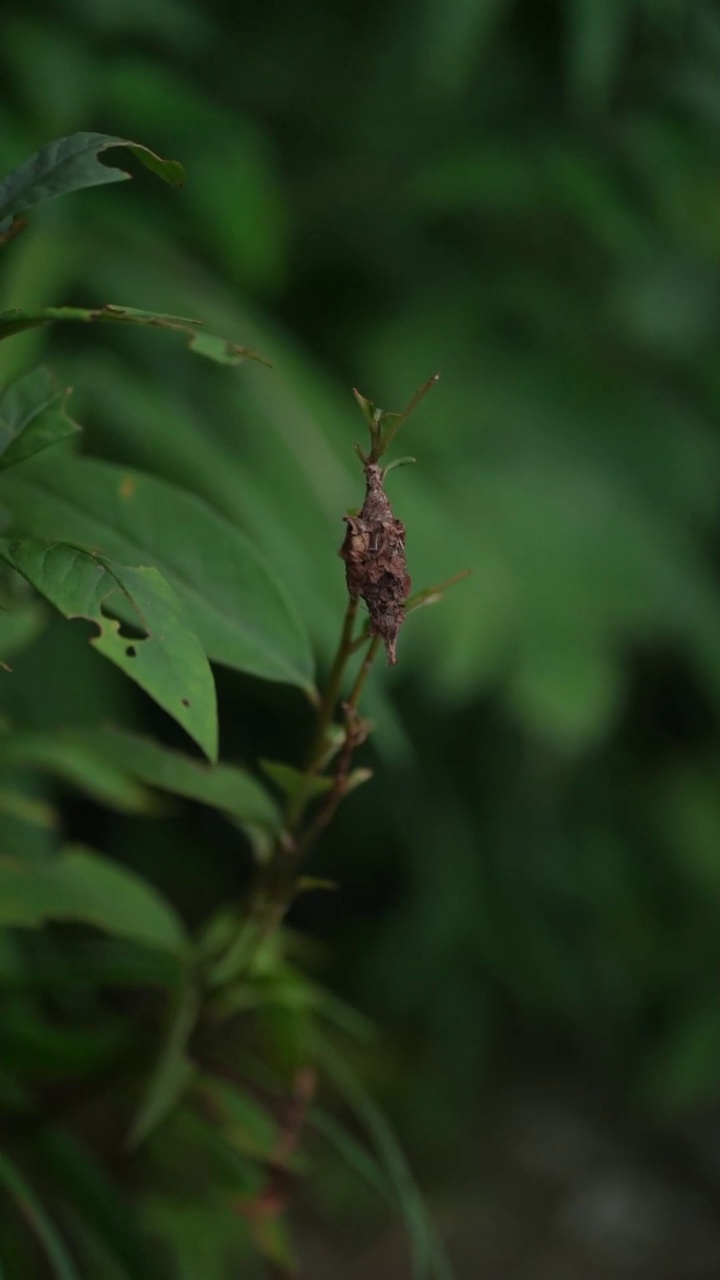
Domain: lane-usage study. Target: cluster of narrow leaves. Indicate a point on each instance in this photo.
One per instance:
(167, 586)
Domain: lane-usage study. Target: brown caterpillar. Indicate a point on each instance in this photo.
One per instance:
(374, 555)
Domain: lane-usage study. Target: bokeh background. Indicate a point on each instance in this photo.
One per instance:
(524, 195)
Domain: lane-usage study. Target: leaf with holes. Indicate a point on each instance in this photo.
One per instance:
(239, 609)
(32, 417)
(204, 344)
(166, 660)
(69, 164)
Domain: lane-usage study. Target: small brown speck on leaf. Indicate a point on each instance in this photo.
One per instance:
(375, 567)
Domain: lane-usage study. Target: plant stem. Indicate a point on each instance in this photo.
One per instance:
(295, 807)
(362, 675)
(355, 734)
(275, 884)
(332, 689)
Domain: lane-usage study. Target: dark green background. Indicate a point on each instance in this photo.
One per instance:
(525, 196)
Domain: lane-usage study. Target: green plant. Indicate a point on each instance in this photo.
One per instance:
(199, 1050)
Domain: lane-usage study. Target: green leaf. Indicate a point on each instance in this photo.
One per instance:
(69, 164)
(684, 1069)
(173, 1072)
(313, 884)
(240, 611)
(28, 822)
(428, 1256)
(398, 462)
(41, 1225)
(384, 424)
(272, 1237)
(39, 1047)
(225, 787)
(226, 1166)
(167, 660)
(204, 344)
(32, 417)
(198, 1235)
(169, 1085)
(354, 1154)
(86, 1186)
(83, 886)
(67, 756)
(302, 787)
(357, 778)
(102, 961)
(343, 1016)
(109, 763)
(451, 40)
(433, 595)
(598, 35)
(292, 781)
(247, 1125)
(37, 813)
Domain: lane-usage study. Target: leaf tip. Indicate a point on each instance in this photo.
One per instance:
(312, 693)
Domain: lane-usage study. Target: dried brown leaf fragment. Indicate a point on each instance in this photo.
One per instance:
(375, 566)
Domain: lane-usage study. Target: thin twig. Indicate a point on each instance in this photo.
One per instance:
(272, 1201)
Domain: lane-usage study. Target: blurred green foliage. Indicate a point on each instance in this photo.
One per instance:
(524, 195)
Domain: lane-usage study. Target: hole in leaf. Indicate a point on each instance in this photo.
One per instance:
(185, 702)
(131, 651)
(128, 630)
